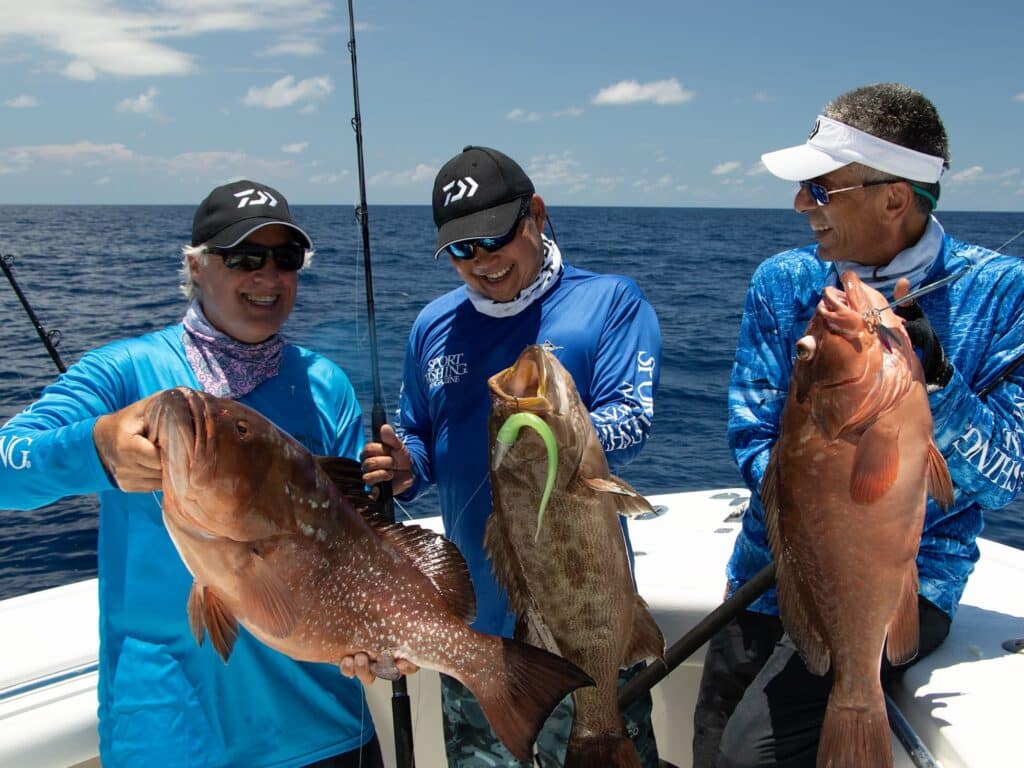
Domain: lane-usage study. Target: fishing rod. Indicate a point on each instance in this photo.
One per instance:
(401, 711)
(50, 339)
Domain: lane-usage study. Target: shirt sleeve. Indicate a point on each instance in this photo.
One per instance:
(982, 438)
(758, 386)
(412, 423)
(626, 374)
(47, 451)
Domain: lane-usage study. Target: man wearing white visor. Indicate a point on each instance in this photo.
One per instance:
(868, 182)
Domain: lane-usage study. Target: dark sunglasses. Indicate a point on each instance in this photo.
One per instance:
(820, 194)
(250, 257)
(464, 249)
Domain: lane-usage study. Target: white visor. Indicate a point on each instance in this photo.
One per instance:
(832, 145)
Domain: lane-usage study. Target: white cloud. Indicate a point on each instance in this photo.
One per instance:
(102, 181)
(421, 172)
(115, 37)
(522, 116)
(286, 92)
(328, 178)
(80, 70)
(763, 96)
(570, 112)
(974, 173)
(757, 169)
(296, 148)
(143, 104)
(22, 102)
(660, 92)
(1019, 97)
(295, 48)
(82, 153)
(728, 167)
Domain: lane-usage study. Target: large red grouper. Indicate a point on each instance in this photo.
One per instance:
(274, 545)
(844, 496)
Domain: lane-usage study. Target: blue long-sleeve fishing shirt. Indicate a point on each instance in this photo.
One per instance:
(977, 319)
(163, 699)
(606, 335)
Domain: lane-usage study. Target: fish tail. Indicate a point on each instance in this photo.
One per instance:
(608, 750)
(517, 701)
(853, 737)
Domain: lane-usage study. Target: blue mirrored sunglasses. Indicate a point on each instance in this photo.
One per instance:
(464, 249)
(250, 257)
(820, 194)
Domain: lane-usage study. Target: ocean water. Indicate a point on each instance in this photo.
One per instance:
(98, 273)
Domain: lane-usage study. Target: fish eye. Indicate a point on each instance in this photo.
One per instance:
(242, 428)
(805, 348)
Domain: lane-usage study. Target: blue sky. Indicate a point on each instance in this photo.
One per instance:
(625, 103)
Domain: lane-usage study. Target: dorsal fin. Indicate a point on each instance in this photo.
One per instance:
(438, 559)
(347, 476)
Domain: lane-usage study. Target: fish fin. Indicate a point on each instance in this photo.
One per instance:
(517, 699)
(852, 737)
(647, 640)
(220, 623)
(628, 501)
(437, 559)
(798, 621)
(876, 462)
(940, 485)
(347, 476)
(267, 601)
(901, 643)
(196, 610)
(609, 750)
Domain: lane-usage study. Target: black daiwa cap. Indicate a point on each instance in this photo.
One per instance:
(477, 194)
(231, 213)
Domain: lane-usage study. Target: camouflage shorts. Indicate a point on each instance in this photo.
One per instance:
(470, 742)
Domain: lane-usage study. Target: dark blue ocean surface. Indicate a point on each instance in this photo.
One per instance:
(102, 273)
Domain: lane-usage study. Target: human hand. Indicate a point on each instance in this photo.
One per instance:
(359, 665)
(388, 460)
(126, 452)
(937, 369)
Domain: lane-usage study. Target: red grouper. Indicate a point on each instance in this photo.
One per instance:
(844, 496)
(274, 545)
(567, 575)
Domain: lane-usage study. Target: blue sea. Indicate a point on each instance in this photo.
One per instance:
(98, 273)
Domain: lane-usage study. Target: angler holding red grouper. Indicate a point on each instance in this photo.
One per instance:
(868, 177)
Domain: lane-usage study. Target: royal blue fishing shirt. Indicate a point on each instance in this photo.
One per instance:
(163, 699)
(977, 319)
(606, 335)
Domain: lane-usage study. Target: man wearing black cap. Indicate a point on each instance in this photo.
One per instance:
(518, 291)
(164, 700)
(869, 181)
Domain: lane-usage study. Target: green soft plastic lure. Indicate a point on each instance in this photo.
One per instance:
(507, 436)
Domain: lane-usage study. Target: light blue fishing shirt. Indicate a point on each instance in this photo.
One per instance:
(606, 335)
(164, 700)
(977, 319)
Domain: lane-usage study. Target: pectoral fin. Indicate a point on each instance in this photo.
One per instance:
(628, 501)
(267, 601)
(876, 462)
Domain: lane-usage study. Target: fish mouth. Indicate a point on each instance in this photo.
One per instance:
(175, 418)
(523, 387)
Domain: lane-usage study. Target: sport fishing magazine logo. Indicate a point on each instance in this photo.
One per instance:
(445, 369)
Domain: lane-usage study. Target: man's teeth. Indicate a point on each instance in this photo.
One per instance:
(263, 301)
(497, 275)
(819, 229)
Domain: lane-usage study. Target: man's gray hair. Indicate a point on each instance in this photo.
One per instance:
(202, 253)
(900, 115)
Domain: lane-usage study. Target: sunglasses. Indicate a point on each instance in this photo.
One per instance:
(250, 257)
(464, 249)
(820, 194)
